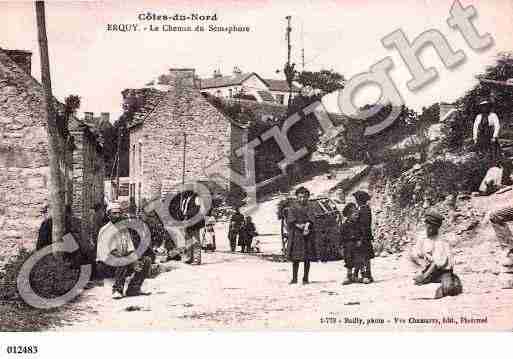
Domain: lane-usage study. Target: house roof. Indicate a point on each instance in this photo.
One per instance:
(266, 96)
(280, 85)
(147, 100)
(58, 106)
(223, 81)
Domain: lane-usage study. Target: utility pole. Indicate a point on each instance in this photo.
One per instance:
(289, 68)
(54, 143)
(302, 48)
(289, 30)
(184, 152)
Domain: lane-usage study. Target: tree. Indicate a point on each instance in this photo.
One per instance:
(322, 82)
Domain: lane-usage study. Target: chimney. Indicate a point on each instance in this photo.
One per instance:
(105, 117)
(22, 58)
(236, 70)
(185, 75)
(89, 117)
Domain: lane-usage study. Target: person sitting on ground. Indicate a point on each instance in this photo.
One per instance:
(114, 244)
(351, 243)
(432, 258)
(492, 181)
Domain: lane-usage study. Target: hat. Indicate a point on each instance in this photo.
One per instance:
(361, 196)
(433, 217)
(348, 209)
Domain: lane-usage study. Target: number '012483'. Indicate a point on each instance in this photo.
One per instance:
(22, 349)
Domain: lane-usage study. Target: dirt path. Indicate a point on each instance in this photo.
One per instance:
(233, 291)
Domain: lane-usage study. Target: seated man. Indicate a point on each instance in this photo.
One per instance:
(433, 259)
(114, 244)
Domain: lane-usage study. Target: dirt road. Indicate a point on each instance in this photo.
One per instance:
(233, 291)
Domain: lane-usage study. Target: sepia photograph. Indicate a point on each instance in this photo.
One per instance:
(266, 165)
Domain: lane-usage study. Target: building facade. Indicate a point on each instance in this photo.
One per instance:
(175, 135)
(24, 167)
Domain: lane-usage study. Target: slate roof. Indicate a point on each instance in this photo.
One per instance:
(280, 85)
(224, 81)
(266, 96)
(59, 106)
(147, 101)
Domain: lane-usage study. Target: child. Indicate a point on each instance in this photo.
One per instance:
(365, 224)
(352, 243)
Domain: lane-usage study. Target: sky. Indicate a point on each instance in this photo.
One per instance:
(343, 35)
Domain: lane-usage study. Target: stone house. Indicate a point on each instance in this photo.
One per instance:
(24, 171)
(166, 125)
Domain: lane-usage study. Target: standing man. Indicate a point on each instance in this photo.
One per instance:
(486, 131)
(190, 207)
(499, 220)
(365, 223)
(235, 226)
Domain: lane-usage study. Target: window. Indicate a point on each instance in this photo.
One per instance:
(230, 93)
(280, 99)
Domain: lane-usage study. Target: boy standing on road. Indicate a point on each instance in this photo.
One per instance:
(351, 243)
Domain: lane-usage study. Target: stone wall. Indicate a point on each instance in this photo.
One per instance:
(181, 110)
(24, 171)
(23, 157)
(88, 182)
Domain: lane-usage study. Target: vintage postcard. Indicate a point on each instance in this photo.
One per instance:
(331, 165)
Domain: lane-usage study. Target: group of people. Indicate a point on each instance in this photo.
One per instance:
(355, 238)
(431, 256)
(241, 232)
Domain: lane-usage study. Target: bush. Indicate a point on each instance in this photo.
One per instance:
(396, 163)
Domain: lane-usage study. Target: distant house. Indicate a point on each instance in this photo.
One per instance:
(24, 171)
(165, 124)
(248, 85)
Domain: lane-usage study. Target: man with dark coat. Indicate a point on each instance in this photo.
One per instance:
(246, 234)
(235, 226)
(44, 237)
(365, 223)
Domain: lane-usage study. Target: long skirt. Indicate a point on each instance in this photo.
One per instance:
(301, 248)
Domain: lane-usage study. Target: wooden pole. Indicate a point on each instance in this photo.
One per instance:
(54, 142)
(184, 151)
